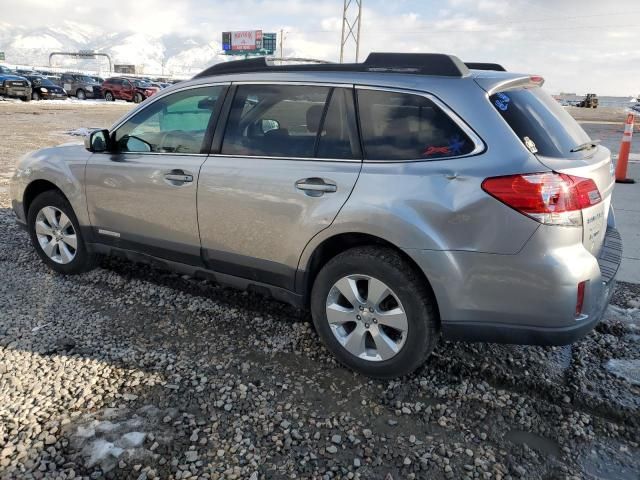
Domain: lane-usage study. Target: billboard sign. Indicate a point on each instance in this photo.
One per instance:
(128, 69)
(243, 42)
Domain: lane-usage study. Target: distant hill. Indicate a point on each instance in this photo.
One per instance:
(181, 55)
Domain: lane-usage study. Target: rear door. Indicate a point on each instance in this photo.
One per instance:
(287, 162)
(561, 144)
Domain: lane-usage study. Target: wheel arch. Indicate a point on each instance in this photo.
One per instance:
(330, 247)
(34, 189)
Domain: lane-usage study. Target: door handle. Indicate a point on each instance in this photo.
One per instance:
(316, 186)
(178, 176)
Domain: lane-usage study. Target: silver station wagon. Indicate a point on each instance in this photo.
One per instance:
(399, 199)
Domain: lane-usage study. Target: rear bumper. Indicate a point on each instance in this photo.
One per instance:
(53, 96)
(528, 298)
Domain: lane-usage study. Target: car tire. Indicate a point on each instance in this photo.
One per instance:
(108, 96)
(25, 99)
(35, 96)
(80, 95)
(367, 334)
(137, 98)
(54, 230)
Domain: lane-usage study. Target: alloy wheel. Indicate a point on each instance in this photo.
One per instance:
(367, 317)
(56, 235)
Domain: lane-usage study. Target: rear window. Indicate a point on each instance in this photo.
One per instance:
(402, 126)
(540, 122)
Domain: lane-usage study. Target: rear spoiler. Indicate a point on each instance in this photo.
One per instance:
(485, 66)
(492, 85)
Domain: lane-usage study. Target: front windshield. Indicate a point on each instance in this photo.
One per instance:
(41, 81)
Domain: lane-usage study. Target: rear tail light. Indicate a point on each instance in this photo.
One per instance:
(549, 198)
(580, 299)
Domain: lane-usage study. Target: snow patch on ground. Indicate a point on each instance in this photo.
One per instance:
(628, 370)
(82, 131)
(118, 434)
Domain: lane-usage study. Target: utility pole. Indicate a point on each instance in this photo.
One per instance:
(281, 42)
(351, 28)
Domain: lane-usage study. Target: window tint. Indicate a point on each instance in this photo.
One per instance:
(400, 126)
(274, 120)
(338, 138)
(174, 124)
(540, 122)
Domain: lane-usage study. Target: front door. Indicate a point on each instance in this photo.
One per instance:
(142, 195)
(289, 159)
(127, 90)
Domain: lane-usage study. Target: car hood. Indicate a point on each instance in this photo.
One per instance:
(12, 77)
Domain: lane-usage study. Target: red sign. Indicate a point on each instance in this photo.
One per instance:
(246, 40)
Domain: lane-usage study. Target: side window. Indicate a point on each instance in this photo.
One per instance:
(401, 126)
(275, 120)
(339, 138)
(176, 123)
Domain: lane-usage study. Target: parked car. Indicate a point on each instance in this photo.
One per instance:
(129, 89)
(80, 85)
(12, 85)
(399, 199)
(44, 89)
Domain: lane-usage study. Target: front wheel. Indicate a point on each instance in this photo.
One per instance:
(137, 98)
(80, 95)
(56, 236)
(109, 97)
(374, 312)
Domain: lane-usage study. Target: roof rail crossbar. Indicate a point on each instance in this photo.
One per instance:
(419, 63)
(485, 66)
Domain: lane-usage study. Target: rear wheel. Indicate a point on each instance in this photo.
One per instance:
(109, 97)
(374, 312)
(81, 95)
(137, 98)
(55, 234)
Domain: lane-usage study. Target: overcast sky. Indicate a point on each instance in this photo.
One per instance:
(578, 46)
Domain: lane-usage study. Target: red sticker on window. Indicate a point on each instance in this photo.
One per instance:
(431, 150)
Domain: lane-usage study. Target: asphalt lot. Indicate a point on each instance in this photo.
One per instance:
(131, 372)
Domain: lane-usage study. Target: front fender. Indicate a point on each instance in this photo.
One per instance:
(63, 166)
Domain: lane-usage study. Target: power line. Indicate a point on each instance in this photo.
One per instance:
(476, 30)
(497, 24)
(351, 22)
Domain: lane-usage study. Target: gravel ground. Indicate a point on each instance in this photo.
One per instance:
(131, 372)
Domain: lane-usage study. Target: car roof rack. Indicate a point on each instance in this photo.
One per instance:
(437, 64)
(485, 66)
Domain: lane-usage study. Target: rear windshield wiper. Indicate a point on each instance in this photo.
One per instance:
(585, 146)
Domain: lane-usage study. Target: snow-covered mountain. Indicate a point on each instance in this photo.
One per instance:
(172, 54)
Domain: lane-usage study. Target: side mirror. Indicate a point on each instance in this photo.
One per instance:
(267, 125)
(97, 141)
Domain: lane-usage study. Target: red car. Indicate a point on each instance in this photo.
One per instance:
(129, 89)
